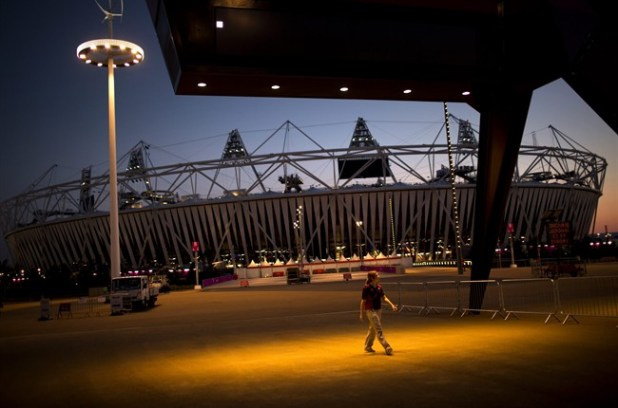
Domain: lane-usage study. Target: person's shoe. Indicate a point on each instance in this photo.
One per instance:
(369, 350)
(389, 351)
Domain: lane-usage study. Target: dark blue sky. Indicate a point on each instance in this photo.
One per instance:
(53, 108)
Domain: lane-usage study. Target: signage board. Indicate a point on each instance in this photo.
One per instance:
(559, 233)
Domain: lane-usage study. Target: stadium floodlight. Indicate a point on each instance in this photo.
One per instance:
(111, 53)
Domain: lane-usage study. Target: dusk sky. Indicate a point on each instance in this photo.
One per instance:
(53, 108)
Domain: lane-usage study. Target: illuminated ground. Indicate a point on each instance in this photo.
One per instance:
(299, 346)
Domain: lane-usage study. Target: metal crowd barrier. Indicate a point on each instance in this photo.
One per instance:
(412, 297)
(568, 298)
(487, 290)
(603, 301)
(442, 296)
(532, 296)
(83, 307)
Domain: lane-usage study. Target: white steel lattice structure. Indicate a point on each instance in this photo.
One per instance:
(253, 205)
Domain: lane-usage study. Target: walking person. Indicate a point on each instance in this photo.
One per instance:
(371, 306)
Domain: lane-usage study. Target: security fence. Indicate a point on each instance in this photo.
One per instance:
(560, 299)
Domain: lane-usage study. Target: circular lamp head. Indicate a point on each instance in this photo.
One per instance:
(100, 52)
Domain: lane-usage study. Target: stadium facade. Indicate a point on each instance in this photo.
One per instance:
(413, 201)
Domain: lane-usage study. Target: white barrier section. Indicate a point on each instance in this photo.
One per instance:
(486, 290)
(588, 296)
(536, 296)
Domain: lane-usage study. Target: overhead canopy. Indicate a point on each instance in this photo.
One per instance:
(377, 49)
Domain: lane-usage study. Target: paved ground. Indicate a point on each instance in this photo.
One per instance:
(302, 346)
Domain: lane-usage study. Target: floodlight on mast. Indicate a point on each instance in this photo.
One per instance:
(111, 53)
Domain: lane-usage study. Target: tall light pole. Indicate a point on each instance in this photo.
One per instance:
(111, 53)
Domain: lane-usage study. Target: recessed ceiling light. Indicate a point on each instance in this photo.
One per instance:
(275, 87)
(466, 93)
(407, 91)
(201, 84)
(344, 89)
(219, 24)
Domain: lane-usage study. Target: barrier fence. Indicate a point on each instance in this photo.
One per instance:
(602, 304)
(81, 307)
(531, 296)
(481, 296)
(442, 296)
(560, 299)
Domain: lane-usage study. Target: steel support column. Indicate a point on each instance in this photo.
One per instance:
(503, 112)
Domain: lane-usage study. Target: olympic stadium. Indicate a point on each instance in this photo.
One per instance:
(367, 200)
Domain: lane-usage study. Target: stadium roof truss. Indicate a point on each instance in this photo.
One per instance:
(256, 173)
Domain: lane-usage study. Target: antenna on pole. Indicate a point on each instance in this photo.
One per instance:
(109, 15)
